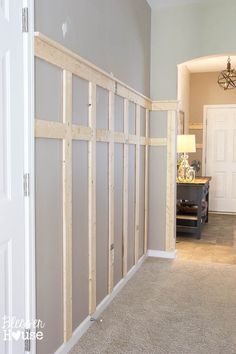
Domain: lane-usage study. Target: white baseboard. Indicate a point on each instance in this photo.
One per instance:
(84, 326)
(162, 254)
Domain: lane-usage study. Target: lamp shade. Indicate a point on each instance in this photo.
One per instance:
(186, 143)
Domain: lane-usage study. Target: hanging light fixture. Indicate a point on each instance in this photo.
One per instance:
(227, 78)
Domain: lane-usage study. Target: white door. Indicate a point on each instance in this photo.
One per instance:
(221, 157)
(12, 215)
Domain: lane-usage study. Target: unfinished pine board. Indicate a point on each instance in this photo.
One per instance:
(171, 183)
(102, 210)
(92, 198)
(80, 273)
(119, 137)
(50, 130)
(67, 205)
(132, 96)
(157, 141)
(125, 187)
(146, 185)
(49, 242)
(56, 54)
(165, 105)
(80, 101)
(118, 212)
(81, 133)
(104, 135)
(111, 195)
(137, 185)
(48, 106)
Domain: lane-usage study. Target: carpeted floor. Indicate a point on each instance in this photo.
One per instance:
(169, 307)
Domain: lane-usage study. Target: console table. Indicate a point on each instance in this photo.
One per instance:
(196, 192)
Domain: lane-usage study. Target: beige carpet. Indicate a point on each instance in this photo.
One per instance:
(169, 307)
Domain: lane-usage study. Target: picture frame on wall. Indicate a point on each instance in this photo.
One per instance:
(180, 123)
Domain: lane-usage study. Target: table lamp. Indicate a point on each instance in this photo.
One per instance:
(185, 144)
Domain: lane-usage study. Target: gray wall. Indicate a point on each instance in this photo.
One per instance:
(157, 183)
(114, 35)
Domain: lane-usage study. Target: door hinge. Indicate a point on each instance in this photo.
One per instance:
(27, 340)
(26, 184)
(25, 19)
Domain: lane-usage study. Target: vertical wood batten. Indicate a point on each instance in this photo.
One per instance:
(146, 184)
(171, 181)
(67, 205)
(125, 187)
(111, 193)
(92, 198)
(137, 182)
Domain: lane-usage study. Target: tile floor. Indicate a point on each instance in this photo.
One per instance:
(217, 244)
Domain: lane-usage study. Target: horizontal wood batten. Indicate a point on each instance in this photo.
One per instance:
(50, 129)
(165, 105)
(81, 132)
(58, 55)
(157, 141)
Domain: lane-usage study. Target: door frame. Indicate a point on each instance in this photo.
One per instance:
(29, 113)
(204, 145)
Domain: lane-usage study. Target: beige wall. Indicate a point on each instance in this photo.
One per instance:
(204, 90)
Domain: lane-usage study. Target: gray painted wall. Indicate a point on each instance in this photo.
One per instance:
(118, 211)
(49, 241)
(80, 271)
(114, 35)
(102, 245)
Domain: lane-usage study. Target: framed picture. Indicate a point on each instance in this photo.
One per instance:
(180, 123)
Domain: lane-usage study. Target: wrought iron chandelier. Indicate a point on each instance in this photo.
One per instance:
(227, 78)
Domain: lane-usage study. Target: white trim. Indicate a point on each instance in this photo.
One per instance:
(84, 326)
(204, 145)
(162, 254)
(28, 60)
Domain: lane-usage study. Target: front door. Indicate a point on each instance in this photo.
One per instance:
(221, 157)
(12, 213)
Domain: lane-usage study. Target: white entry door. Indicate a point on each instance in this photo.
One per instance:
(221, 157)
(12, 214)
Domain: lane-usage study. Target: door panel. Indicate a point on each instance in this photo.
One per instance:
(12, 213)
(221, 157)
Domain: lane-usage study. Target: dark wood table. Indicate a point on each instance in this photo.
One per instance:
(196, 192)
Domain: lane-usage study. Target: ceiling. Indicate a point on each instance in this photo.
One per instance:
(210, 64)
(164, 3)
